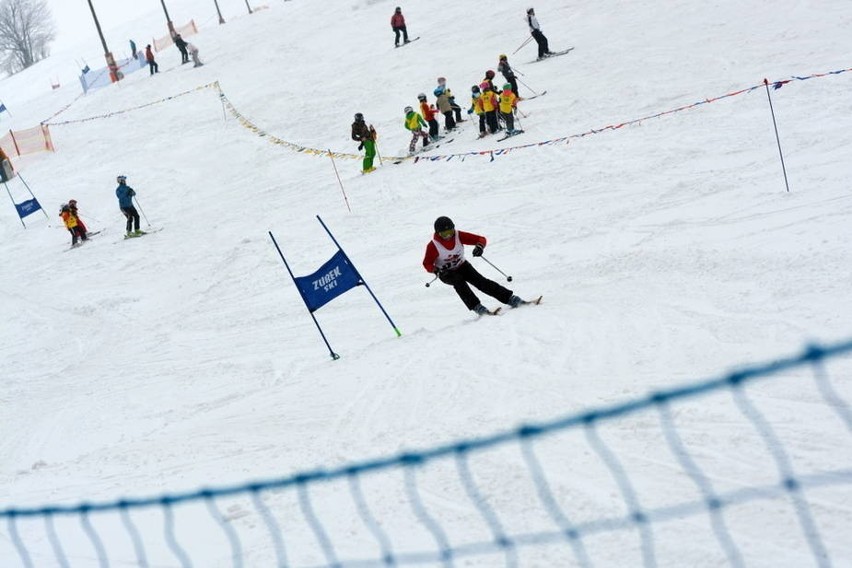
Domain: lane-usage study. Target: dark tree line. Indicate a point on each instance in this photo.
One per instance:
(26, 30)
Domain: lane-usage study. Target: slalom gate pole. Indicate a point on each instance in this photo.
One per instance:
(13, 205)
(528, 87)
(508, 278)
(23, 181)
(777, 139)
(529, 39)
(136, 199)
(334, 355)
(393, 325)
(346, 199)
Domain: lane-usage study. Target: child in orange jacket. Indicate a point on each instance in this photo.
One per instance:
(72, 225)
(72, 204)
(428, 113)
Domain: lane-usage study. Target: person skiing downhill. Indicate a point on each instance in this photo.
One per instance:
(72, 205)
(398, 25)
(535, 31)
(445, 258)
(415, 123)
(125, 195)
(366, 136)
(72, 224)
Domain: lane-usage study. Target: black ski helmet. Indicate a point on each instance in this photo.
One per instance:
(443, 224)
(359, 117)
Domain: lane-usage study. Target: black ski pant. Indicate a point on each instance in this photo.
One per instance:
(542, 43)
(466, 275)
(457, 109)
(514, 82)
(77, 233)
(132, 217)
(491, 119)
(449, 122)
(404, 31)
(482, 124)
(509, 119)
(433, 128)
(184, 55)
(154, 67)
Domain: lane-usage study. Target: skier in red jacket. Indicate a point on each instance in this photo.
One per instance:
(398, 25)
(445, 258)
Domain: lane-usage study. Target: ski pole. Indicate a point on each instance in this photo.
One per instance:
(430, 282)
(508, 278)
(529, 39)
(136, 199)
(528, 87)
(517, 119)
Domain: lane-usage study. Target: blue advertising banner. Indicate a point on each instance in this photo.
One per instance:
(27, 207)
(332, 279)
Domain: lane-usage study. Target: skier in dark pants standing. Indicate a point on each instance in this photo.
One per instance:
(398, 25)
(445, 258)
(366, 136)
(535, 30)
(149, 57)
(508, 74)
(181, 45)
(125, 194)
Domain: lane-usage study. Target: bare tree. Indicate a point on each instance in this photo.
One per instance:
(26, 30)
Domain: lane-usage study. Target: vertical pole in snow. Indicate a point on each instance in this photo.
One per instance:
(346, 199)
(777, 139)
(23, 181)
(13, 204)
(378, 303)
(334, 355)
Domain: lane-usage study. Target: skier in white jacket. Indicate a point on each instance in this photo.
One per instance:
(535, 30)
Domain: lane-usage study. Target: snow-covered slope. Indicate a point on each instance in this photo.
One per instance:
(666, 250)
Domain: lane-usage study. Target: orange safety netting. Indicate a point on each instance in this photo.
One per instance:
(29, 141)
(185, 30)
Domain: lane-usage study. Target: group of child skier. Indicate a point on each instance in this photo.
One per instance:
(491, 104)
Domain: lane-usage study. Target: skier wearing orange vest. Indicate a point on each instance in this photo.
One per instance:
(71, 224)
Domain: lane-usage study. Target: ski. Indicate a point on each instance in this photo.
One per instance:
(72, 247)
(142, 233)
(515, 133)
(403, 44)
(431, 146)
(541, 94)
(554, 54)
(494, 312)
(535, 302)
